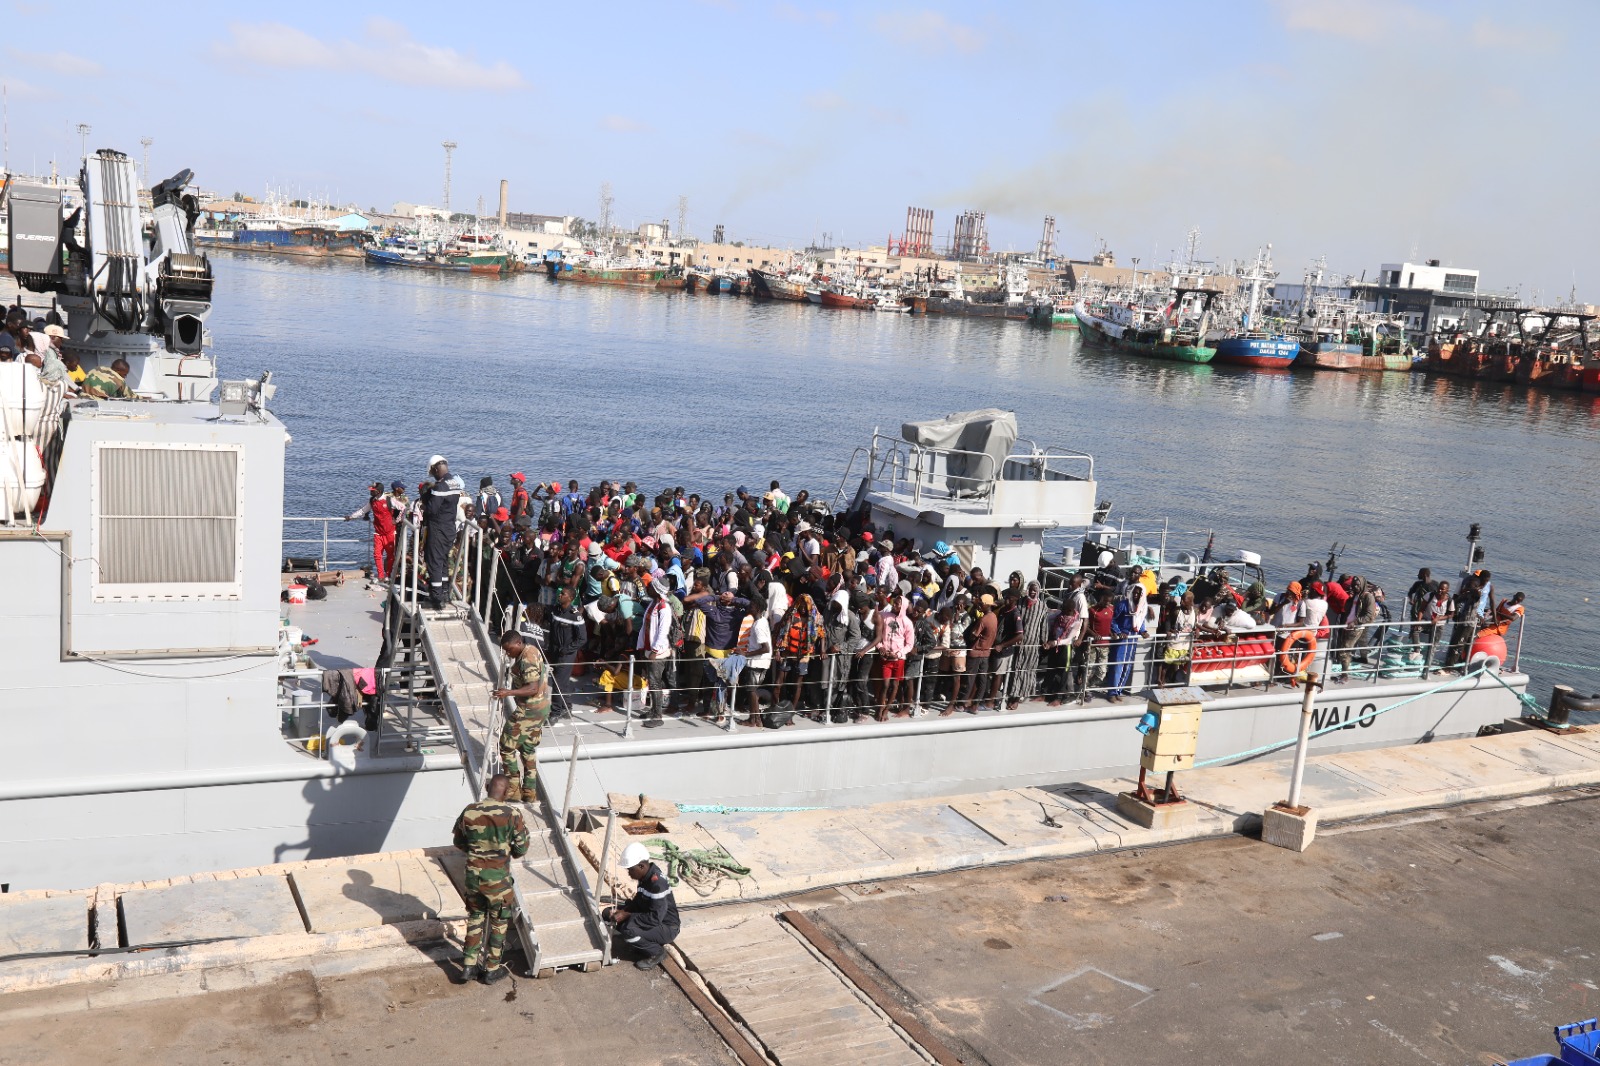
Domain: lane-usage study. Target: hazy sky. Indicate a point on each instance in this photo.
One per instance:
(1363, 130)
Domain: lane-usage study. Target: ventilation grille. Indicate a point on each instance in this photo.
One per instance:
(168, 516)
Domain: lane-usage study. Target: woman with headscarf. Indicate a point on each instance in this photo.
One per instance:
(1035, 612)
(1127, 626)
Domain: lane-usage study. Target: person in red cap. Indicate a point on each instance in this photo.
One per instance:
(521, 502)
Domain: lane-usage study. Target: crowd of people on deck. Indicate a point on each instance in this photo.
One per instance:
(41, 342)
(763, 606)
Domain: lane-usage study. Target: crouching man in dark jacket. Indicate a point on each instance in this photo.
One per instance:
(649, 921)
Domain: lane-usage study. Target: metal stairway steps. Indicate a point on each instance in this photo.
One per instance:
(558, 919)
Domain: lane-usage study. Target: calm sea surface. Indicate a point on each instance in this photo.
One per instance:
(378, 369)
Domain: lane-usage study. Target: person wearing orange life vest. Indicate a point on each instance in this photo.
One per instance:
(1289, 618)
(1506, 614)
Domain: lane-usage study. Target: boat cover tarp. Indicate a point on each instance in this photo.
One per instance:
(967, 436)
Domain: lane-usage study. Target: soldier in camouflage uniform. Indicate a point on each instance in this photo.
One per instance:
(492, 833)
(108, 382)
(519, 740)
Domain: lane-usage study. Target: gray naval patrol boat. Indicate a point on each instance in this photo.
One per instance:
(165, 716)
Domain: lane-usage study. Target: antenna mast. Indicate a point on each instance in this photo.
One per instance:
(449, 147)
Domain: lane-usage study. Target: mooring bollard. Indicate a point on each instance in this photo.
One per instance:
(1291, 824)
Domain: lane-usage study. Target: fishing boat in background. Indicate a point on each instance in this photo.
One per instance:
(1255, 341)
(951, 298)
(1559, 354)
(1356, 343)
(1472, 354)
(1128, 323)
(312, 242)
(724, 281)
(1053, 311)
(845, 296)
(429, 256)
(770, 285)
(607, 270)
(479, 253)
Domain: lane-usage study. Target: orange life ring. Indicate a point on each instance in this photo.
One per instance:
(1286, 658)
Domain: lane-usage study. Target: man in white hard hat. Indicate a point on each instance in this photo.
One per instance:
(649, 921)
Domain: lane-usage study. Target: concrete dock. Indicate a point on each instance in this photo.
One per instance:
(331, 918)
(797, 851)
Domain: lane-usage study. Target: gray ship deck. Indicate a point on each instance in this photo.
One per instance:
(813, 763)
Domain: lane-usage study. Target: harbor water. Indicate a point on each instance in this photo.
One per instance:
(378, 369)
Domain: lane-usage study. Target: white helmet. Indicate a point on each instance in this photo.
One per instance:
(435, 461)
(634, 854)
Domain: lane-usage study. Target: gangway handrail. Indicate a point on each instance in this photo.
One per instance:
(471, 587)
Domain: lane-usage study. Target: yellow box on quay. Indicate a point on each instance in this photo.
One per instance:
(1171, 742)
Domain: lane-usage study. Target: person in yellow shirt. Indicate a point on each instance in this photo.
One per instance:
(1147, 578)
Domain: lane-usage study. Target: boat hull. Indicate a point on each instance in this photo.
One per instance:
(844, 300)
(873, 763)
(1052, 317)
(944, 305)
(386, 258)
(772, 287)
(1261, 353)
(298, 808)
(1097, 334)
(1461, 359)
(1328, 355)
(471, 263)
(640, 277)
(309, 244)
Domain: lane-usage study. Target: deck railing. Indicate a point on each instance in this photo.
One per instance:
(901, 468)
(341, 552)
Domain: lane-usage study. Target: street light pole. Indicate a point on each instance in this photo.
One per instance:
(83, 140)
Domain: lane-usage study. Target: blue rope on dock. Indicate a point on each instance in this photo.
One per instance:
(1265, 748)
(719, 808)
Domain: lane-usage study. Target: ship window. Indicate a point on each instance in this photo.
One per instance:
(167, 521)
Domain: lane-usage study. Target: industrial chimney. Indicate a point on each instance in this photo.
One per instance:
(505, 187)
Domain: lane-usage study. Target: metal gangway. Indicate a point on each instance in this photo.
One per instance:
(558, 913)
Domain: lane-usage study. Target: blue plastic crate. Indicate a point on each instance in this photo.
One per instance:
(1580, 1043)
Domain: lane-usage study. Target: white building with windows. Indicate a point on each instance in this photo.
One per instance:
(1429, 275)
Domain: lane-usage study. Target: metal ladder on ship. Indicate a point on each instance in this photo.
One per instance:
(558, 915)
